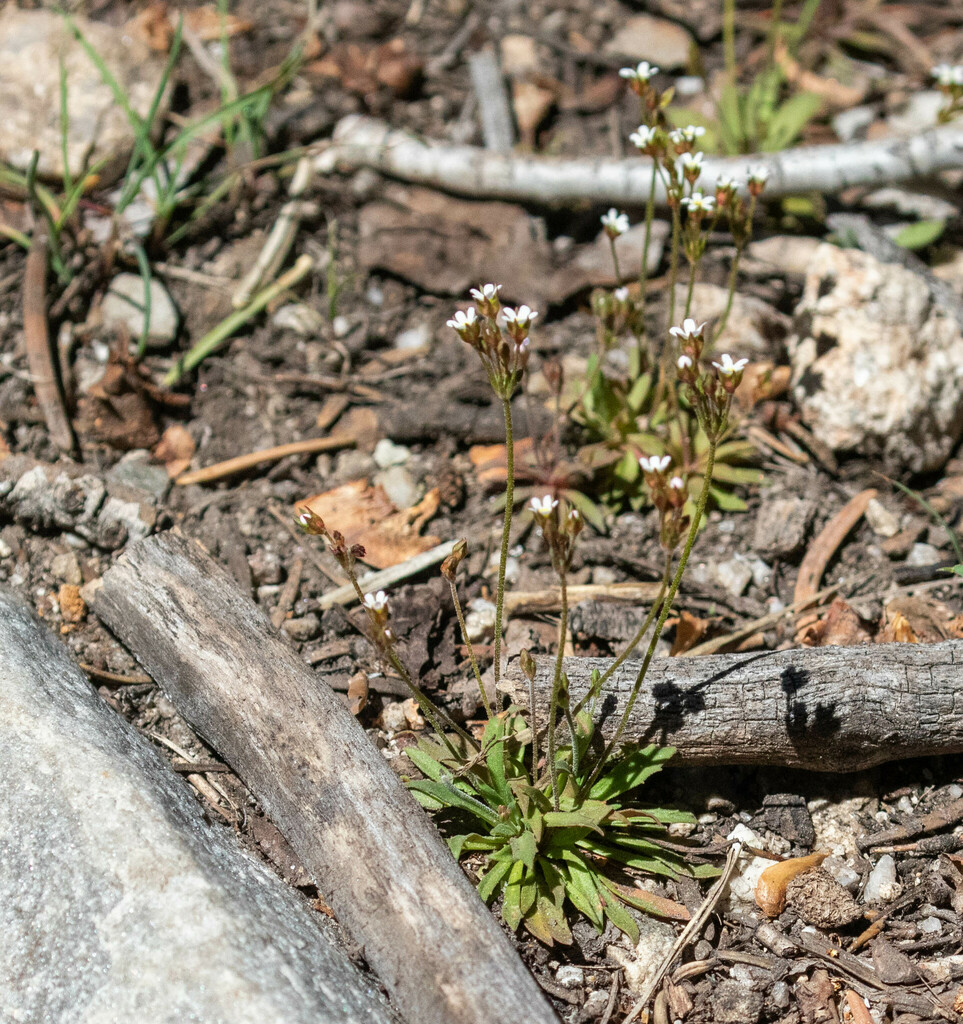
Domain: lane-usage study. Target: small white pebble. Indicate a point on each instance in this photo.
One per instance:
(570, 976)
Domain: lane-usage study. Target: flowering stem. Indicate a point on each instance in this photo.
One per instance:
(557, 686)
(431, 711)
(692, 276)
(733, 276)
(506, 534)
(471, 650)
(663, 615)
(595, 690)
(674, 260)
(615, 261)
(644, 268)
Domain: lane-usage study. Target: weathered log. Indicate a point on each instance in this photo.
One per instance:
(118, 901)
(371, 849)
(826, 709)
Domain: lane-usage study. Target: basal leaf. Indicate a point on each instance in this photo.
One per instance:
(493, 879)
(620, 917)
(631, 771)
(524, 849)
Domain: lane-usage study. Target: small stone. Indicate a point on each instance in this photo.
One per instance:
(761, 572)
(931, 925)
(742, 888)
(892, 965)
(922, 554)
(66, 567)
(398, 483)
(123, 307)
(852, 123)
(844, 874)
(734, 575)
(643, 37)
(138, 470)
(569, 976)
(73, 608)
(782, 526)
(655, 941)
(341, 326)
(881, 521)
(307, 627)
(265, 566)
(5, 550)
(480, 619)
(299, 318)
(413, 714)
(393, 717)
(387, 453)
(779, 995)
(732, 1003)
(414, 337)
(353, 464)
(882, 886)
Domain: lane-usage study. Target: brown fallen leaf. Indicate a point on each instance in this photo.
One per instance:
(918, 619)
(771, 887)
(365, 515)
(531, 103)
(175, 449)
(762, 381)
(858, 1009)
(689, 630)
(491, 462)
(841, 626)
(365, 69)
(358, 692)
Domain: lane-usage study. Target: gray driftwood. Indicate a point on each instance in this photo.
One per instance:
(373, 852)
(118, 901)
(825, 708)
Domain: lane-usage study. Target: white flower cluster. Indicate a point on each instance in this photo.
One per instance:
(948, 76)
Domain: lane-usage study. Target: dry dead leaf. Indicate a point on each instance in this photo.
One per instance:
(365, 516)
(531, 103)
(923, 618)
(358, 692)
(840, 627)
(491, 461)
(689, 630)
(366, 69)
(175, 449)
(771, 887)
(897, 630)
(155, 25)
(762, 381)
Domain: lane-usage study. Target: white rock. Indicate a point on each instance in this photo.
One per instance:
(754, 327)
(847, 877)
(878, 367)
(419, 336)
(123, 307)
(655, 941)
(923, 554)
(32, 44)
(852, 123)
(393, 717)
(742, 888)
(480, 619)
(734, 575)
(570, 976)
(5, 550)
(837, 823)
(882, 886)
(387, 453)
(643, 37)
(931, 925)
(399, 485)
(881, 521)
(300, 318)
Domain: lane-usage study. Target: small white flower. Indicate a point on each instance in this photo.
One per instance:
(543, 506)
(642, 72)
(684, 362)
(376, 602)
(521, 317)
(728, 366)
(306, 519)
(621, 295)
(464, 320)
(759, 174)
(948, 75)
(699, 203)
(643, 136)
(726, 184)
(686, 135)
(689, 330)
(692, 163)
(655, 464)
(677, 483)
(615, 223)
(487, 292)
(574, 515)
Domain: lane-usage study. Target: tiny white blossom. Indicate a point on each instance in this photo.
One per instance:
(486, 293)
(574, 515)
(677, 483)
(728, 366)
(522, 316)
(759, 174)
(543, 506)
(464, 320)
(692, 163)
(655, 464)
(726, 184)
(615, 223)
(621, 294)
(948, 75)
(643, 136)
(689, 330)
(688, 134)
(684, 362)
(305, 519)
(699, 203)
(376, 602)
(642, 72)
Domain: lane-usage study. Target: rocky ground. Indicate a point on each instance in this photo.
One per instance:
(863, 354)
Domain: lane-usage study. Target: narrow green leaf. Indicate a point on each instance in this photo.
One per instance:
(631, 771)
(621, 918)
(524, 849)
(493, 878)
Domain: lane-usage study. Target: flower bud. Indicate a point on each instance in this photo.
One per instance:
(449, 567)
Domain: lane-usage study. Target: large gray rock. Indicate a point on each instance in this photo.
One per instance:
(32, 44)
(118, 901)
(877, 365)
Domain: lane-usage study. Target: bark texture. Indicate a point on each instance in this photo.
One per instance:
(373, 852)
(825, 709)
(365, 142)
